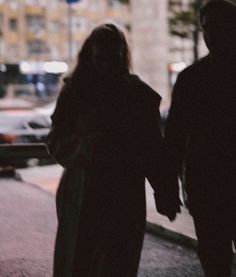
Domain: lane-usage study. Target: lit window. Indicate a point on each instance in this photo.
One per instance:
(13, 24)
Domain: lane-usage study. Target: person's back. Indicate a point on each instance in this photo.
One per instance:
(201, 134)
(208, 104)
(105, 133)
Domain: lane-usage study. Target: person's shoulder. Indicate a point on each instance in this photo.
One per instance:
(142, 90)
(196, 68)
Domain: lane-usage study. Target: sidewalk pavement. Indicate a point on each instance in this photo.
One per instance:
(28, 228)
(46, 178)
(181, 230)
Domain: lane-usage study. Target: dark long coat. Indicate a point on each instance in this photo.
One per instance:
(201, 133)
(108, 141)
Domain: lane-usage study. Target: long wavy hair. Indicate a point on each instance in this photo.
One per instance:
(102, 35)
(82, 82)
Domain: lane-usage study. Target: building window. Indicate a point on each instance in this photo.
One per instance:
(13, 24)
(37, 47)
(79, 24)
(35, 23)
(55, 26)
(111, 3)
(1, 21)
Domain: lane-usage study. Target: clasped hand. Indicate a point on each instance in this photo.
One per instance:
(167, 203)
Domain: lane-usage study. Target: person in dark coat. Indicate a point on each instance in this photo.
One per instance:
(201, 135)
(105, 133)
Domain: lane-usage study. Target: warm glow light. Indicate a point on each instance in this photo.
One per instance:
(3, 67)
(25, 67)
(177, 67)
(55, 67)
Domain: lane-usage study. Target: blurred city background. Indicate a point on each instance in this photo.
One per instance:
(40, 40)
(39, 43)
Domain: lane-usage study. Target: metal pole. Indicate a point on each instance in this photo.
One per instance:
(1, 47)
(70, 35)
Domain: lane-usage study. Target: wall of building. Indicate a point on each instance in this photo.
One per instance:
(149, 43)
(181, 50)
(37, 30)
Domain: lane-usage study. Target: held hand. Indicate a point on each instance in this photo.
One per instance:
(168, 205)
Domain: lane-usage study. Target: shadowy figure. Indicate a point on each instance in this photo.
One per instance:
(105, 132)
(201, 134)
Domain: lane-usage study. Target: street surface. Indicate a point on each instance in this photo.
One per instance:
(27, 233)
(28, 225)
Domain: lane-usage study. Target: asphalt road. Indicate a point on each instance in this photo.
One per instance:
(28, 225)
(161, 258)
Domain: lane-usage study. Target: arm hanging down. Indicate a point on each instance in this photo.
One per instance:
(75, 138)
(162, 179)
(65, 142)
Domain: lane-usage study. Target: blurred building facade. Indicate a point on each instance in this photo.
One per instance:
(158, 55)
(181, 49)
(38, 30)
(150, 42)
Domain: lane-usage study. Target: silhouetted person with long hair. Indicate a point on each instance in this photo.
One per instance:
(105, 132)
(201, 133)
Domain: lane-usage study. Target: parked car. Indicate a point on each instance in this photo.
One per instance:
(24, 126)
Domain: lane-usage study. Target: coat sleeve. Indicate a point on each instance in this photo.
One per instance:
(65, 143)
(68, 147)
(160, 175)
(177, 127)
(72, 141)
(153, 145)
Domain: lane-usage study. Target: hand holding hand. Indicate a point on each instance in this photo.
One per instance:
(167, 204)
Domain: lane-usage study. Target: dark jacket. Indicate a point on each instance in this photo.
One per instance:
(201, 133)
(108, 141)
